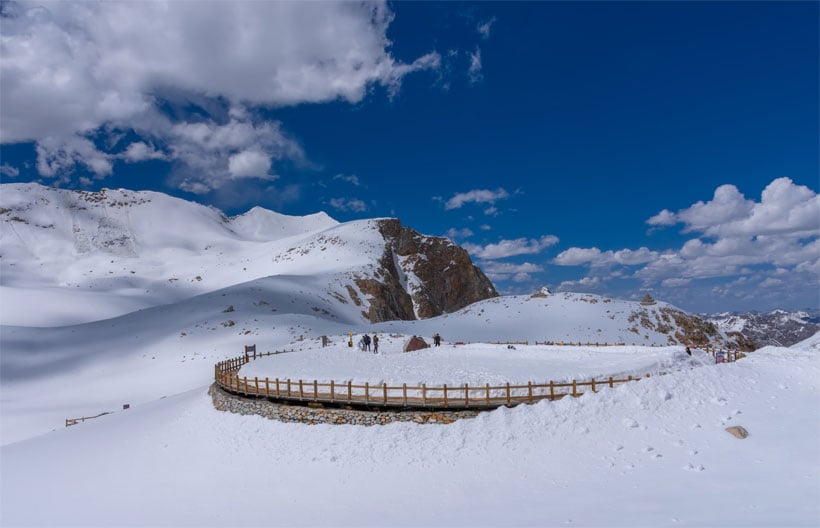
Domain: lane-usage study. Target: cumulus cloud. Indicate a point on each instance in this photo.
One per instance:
(597, 258)
(140, 151)
(72, 69)
(584, 284)
(510, 248)
(501, 271)
(249, 163)
(664, 218)
(784, 209)
(476, 196)
(348, 204)
(760, 250)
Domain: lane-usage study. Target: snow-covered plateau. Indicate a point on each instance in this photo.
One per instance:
(82, 335)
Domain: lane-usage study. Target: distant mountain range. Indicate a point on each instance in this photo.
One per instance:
(777, 328)
(71, 257)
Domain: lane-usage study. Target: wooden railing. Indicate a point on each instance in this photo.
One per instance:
(383, 395)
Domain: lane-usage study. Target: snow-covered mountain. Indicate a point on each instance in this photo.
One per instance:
(104, 254)
(124, 297)
(776, 328)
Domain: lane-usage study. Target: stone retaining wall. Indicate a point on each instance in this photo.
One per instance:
(224, 401)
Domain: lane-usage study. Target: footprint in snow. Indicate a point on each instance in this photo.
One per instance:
(630, 422)
(692, 467)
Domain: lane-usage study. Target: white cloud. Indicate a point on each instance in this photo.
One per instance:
(348, 204)
(140, 151)
(9, 171)
(502, 271)
(72, 69)
(675, 283)
(249, 164)
(510, 248)
(584, 284)
(784, 209)
(352, 179)
(664, 218)
(474, 71)
(59, 156)
(476, 196)
(595, 257)
(484, 28)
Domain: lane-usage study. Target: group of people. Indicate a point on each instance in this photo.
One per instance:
(365, 341)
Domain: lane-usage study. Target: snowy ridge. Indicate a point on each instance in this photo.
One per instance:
(778, 327)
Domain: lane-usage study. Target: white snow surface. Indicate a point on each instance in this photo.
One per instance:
(649, 453)
(81, 335)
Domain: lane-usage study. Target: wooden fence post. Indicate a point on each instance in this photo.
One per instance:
(332, 391)
(593, 384)
(508, 393)
(256, 384)
(288, 387)
(466, 395)
(301, 389)
(277, 387)
(349, 391)
(404, 394)
(384, 389)
(487, 388)
(529, 390)
(574, 389)
(552, 390)
(315, 390)
(366, 392)
(445, 395)
(610, 382)
(423, 394)
(267, 386)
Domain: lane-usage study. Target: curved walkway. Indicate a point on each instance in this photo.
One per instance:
(383, 396)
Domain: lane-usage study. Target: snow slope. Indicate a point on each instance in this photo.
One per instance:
(651, 453)
(70, 257)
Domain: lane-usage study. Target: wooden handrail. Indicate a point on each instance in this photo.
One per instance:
(404, 396)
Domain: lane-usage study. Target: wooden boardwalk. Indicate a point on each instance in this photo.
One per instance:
(378, 396)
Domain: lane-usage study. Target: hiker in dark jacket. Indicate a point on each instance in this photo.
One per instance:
(437, 339)
(367, 342)
(375, 344)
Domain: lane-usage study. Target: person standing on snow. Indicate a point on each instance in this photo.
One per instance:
(375, 344)
(437, 339)
(688, 351)
(366, 342)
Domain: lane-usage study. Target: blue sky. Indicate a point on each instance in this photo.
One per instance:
(615, 148)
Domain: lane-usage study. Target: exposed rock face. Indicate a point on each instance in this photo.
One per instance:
(421, 276)
(415, 343)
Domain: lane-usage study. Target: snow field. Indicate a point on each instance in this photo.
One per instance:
(651, 453)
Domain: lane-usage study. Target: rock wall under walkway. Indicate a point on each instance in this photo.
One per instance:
(224, 401)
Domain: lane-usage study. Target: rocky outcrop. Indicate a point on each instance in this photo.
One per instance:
(421, 276)
(415, 343)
